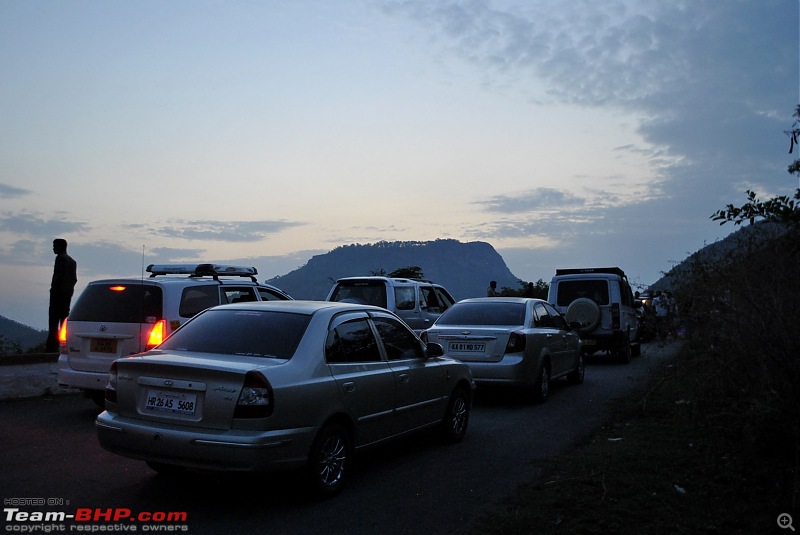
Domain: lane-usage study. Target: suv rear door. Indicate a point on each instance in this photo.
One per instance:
(109, 321)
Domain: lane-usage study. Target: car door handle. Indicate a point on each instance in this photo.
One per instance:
(404, 378)
(349, 386)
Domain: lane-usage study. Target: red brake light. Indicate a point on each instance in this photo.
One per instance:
(62, 337)
(157, 334)
(516, 342)
(256, 399)
(117, 288)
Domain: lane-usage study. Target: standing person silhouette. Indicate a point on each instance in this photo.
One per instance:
(61, 289)
(491, 291)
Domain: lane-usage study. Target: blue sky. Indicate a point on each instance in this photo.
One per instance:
(564, 133)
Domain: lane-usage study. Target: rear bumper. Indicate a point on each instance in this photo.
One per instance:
(69, 377)
(603, 342)
(224, 450)
(511, 369)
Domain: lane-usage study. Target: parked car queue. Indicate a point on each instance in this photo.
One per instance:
(269, 383)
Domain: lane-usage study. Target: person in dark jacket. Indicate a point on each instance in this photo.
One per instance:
(65, 275)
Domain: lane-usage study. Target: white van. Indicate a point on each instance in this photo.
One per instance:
(115, 318)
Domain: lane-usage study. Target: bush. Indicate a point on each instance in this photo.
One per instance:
(742, 308)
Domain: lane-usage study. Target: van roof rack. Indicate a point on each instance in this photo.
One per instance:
(202, 270)
(583, 271)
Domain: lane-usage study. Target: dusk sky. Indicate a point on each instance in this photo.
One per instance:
(565, 133)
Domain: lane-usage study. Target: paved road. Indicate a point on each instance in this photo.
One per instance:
(48, 452)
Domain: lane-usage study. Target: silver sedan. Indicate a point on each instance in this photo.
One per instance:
(280, 385)
(510, 341)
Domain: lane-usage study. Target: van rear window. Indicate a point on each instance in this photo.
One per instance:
(118, 303)
(569, 291)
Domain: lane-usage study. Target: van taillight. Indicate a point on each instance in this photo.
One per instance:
(111, 385)
(516, 342)
(256, 399)
(615, 315)
(157, 334)
(62, 337)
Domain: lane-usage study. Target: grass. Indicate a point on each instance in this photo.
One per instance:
(659, 466)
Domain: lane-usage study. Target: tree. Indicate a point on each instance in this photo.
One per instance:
(408, 272)
(536, 289)
(779, 209)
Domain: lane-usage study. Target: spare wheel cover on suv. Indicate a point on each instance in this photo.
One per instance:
(584, 311)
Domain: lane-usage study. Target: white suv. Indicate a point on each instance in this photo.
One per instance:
(418, 302)
(115, 318)
(600, 302)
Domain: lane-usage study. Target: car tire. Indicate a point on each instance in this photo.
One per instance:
(542, 386)
(97, 396)
(456, 417)
(329, 460)
(575, 377)
(624, 352)
(585, 312)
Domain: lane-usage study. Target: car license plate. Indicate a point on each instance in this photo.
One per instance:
(171, 402)
(590, 342)
(103, 345)
(467, 347)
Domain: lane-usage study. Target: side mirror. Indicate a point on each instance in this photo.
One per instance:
(434, 350)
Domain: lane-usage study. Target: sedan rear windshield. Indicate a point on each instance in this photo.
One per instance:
(241, 332)
(483, 313)
(118, 303)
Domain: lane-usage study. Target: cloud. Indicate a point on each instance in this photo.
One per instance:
(708, 86)
(38, 225)
(229, 231)
(10, 192)
(531, 200)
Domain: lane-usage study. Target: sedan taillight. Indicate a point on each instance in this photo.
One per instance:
(256, 399)
(516, 342)
(111, 385)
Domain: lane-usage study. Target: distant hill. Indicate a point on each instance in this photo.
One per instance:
(726, 248)
(465, 269)
(17, 334)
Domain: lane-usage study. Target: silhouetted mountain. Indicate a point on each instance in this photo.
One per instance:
(465, 269)
(16, 336)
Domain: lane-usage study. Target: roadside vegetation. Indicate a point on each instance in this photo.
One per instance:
(713, 445)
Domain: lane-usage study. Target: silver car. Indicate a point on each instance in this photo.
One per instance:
(278, 385)
(510, 340)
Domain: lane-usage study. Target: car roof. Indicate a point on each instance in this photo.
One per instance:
(387, 279)
(303, 306)
(501, 300)
(185, 281)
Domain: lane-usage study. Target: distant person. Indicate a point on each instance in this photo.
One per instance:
(65, 275)
(661, 307)
(491, 291)
(529, 291)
